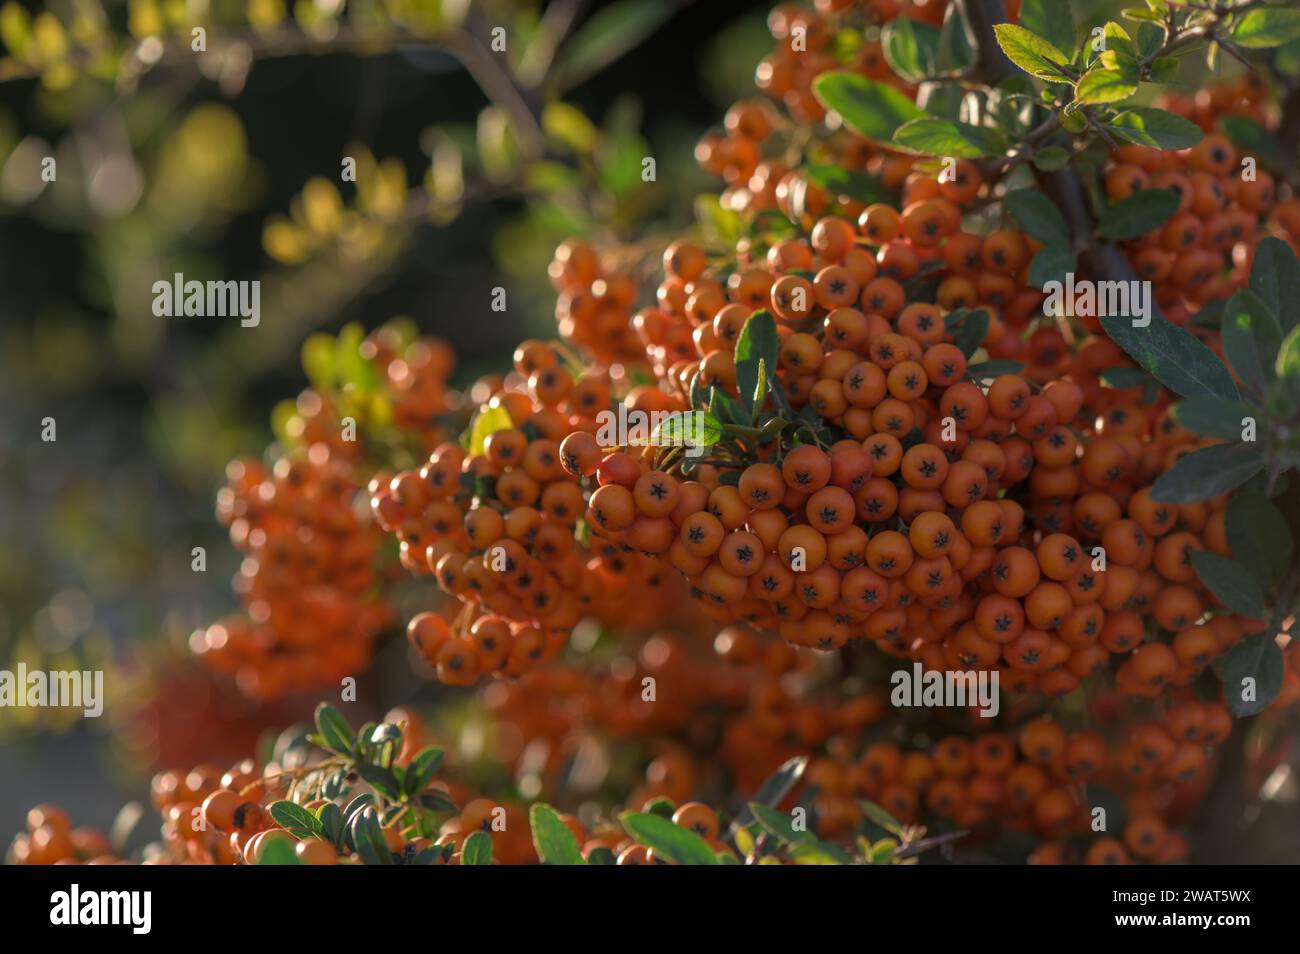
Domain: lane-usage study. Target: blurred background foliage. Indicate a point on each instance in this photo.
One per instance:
(222, 155)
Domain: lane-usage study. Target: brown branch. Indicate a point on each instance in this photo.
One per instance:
(991, 64)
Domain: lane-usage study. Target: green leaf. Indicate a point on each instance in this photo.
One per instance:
(368, 837)
(726, 408)
(1051, 158)
(969, 334)
(1142, 14)
(1031, 53)
(774, 788)
(662, 806)
(744, 841)
(1236, 586)
(1118, 42)
(911, 47)
(1275, 278)
(988, 370)
(1147, 39)
(1137, 215)
(943, 137)
(943, 100)
(1250, 337)
(879, 816)
(805, 848)
(318, 360)
(1266, 27)
(477, 849)
(1286, 391)
(334, 730)
(364, 745)
(606, 36)
(671, 841)
(1259, 659)
(386, 734)
(882, 852)
(1051, 264)
(570, 126)
(1211, 417)
(1258, 534)
(1101, 85)
(436, 800)
(757, 342)
(760, 388)
(600, 855)
(486, 423)
(331, 822)
(1163, 69)
(618, 161)
(1174, 356)
(278, 851)
(954, 40)
(554, 842)
(780, 825)
(868, 107)
(1038, 216)
(692, 429)
(295, 819)
(859, 186)
(382, 780)
(354, 807)
(1207, 473)
(1287, 58)
(16, 30)
(1050, 19)
(350, 366)
(421, 770)
(718, 224)
(1158, 128)
(816, 854)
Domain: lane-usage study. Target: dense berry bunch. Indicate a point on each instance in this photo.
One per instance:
(307, 580)
(312, 579)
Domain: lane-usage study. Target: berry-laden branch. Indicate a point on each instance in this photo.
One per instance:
(1103, 260)
(1224, 808)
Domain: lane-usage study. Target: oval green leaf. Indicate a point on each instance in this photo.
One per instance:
(673, 842)
(1175, 357)
(554, 842)
(868, 107)
(1252, 674)
(1137, 215)
(1207, 473)
(1235, 585)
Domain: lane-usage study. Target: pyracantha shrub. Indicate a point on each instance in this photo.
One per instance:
(979, 378)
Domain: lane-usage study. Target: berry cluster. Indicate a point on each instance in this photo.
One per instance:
(312, 578)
